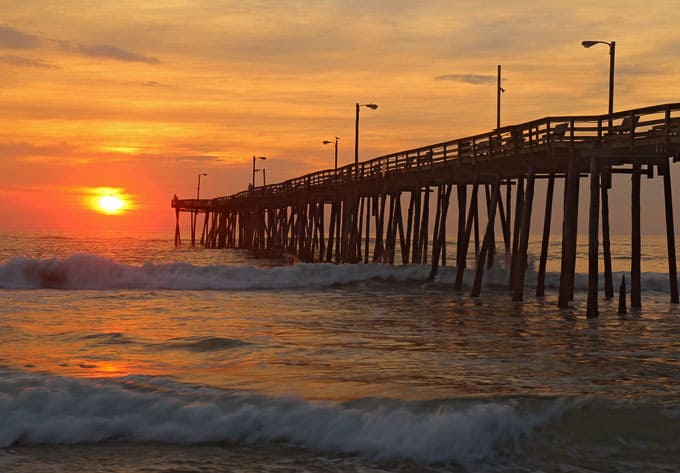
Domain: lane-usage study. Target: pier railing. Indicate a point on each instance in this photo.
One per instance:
(656, 125)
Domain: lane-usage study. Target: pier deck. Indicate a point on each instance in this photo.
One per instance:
(365, 200)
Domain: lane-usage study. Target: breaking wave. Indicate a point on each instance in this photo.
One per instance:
(42, 409)
(86, 271)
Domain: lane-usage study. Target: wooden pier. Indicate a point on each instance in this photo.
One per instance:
(358, 213)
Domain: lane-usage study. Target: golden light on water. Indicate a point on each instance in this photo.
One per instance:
(109, 200)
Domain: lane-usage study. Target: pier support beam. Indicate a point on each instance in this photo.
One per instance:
(605, 184)
(635, 268)
(593, 230)
(569, 228)
(471, 216)
(545, 241)
(518, 283)
(487, 243)
(670, 232)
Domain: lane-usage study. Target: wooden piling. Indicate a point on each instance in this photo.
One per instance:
(471, 216)
(545, 240)
(569, 233)
(486, 244)
(525, 227)
(593, 230)
(670, 232)
(635, 269)
(519, 204)
(605, 184)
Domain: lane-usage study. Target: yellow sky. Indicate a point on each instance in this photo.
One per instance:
(143, 96)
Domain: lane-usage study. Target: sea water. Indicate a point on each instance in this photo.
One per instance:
(121, 353)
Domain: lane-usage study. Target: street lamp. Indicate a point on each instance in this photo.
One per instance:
(372, 106)
(198, 188)
(499, 91)
(327, 142)
(254, 158)
(264, 175)
(612, 52)
(194, 214)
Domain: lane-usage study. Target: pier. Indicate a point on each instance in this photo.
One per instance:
(361, 212)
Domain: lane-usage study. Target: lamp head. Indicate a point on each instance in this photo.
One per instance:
(588, 44)
(204, 174)
(326, 142)
(372, 106)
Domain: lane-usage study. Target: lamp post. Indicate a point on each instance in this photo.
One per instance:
(372, 106)
(499, 91)
(194, 215)
(327, 142)
(254, 158)
(612, 53)
(198, 188)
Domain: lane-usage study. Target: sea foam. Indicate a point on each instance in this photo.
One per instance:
(50, 410)
(86, 271)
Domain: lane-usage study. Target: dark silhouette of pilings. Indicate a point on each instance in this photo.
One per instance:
(399, 204)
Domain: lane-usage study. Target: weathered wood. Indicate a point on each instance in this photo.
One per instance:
(424, 227)
(471, 216)
(622, 296)
(370, 205)
(525, 226)
(486, 245)
(416, 195)
(545, 240)
(605, 184)
(593, 230)
(519, 204)
(435, 235)
(670, 232)
(635, 268)
(439, 235)
(492, 250)
(360, 221)
(569, 228)
(461, 191)
(406, 250)
(178, 237)
(379, 230)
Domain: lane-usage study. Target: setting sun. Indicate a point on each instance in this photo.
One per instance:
(111, 204)
(109, 200)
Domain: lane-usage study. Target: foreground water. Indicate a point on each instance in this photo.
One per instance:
(124, 354)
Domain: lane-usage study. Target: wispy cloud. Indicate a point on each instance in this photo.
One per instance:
(469, 78)
(14, 39)
(18, 61)
(114, 52)
(106, 51)
(199, 158)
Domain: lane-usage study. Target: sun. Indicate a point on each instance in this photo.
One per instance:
(110, 204)
(109, 200)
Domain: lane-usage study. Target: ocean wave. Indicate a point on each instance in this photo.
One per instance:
(49, 410)
(86, 271)
(201, 344)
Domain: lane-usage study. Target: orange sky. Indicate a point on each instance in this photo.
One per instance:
(143, 96)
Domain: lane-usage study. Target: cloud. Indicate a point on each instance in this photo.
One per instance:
(26, 62)
(14, 39)
(114, 52)
(198, 158)
(469, 78)
(108, 52)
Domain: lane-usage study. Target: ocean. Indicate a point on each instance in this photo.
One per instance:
(121, 353)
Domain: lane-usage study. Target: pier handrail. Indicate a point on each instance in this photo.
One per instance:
(661, 121)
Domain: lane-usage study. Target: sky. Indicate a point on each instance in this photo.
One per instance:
(136, 98)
